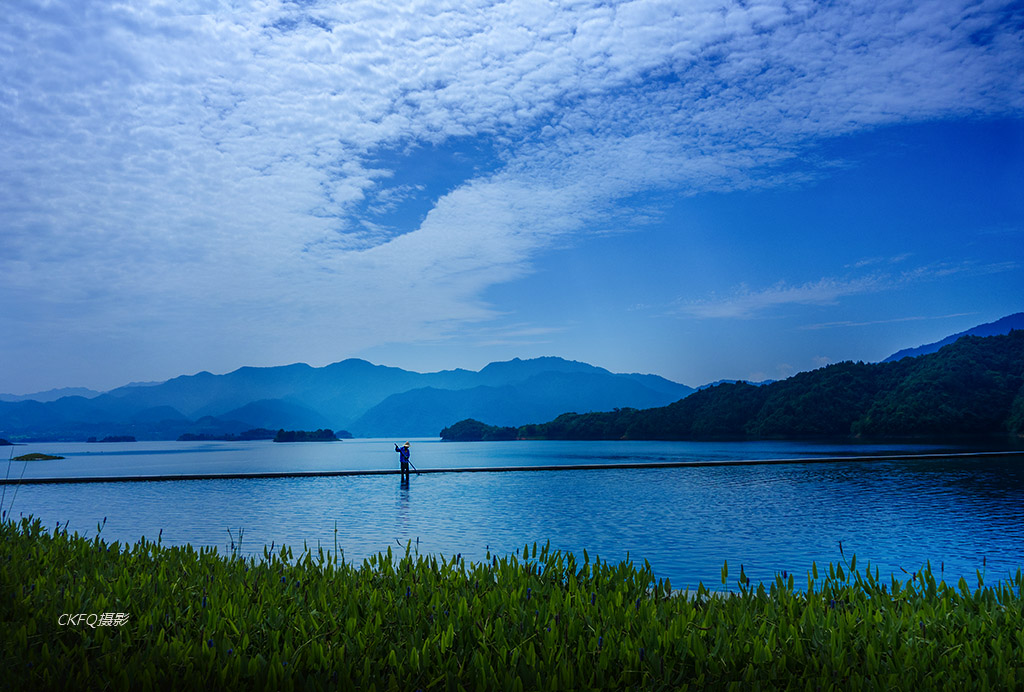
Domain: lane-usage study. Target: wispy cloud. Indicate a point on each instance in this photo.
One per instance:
(521, 334)
(744, 302)
(895, 320)
(876, 261)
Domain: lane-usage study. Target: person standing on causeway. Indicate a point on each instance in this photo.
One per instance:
(403, 458)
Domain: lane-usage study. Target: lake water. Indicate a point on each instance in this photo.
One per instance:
(961, 514)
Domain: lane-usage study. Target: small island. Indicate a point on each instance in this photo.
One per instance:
(471, 430)
(113, 438)
(36, 456)
(323, 435)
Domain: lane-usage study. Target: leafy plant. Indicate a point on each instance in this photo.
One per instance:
(536, 619)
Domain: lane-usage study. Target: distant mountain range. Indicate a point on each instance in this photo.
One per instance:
(52, 394)
(1001, 326)
(365, 399)
(972, 387)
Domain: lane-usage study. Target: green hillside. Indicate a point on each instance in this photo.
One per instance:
(974, 386)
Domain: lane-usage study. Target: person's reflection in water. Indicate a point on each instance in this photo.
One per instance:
(402, 505)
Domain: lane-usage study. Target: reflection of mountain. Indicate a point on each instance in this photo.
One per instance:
(352, 394)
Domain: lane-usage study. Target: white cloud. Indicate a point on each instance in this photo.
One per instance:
(895, 320)
(521, 334)
(784, 370)
(875, 261)
(744, 303)
(208, 163)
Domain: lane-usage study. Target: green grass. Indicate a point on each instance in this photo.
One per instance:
(537, 619)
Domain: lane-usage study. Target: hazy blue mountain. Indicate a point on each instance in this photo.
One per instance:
(74, 419)
(424, 412)
(159, 414)
(351, 394)
(33, 415)
(210, 425)
(1000, 326)
(52, 394)
(496, 374)
(761, 383)
(276, 414)
(24, 415)
(674, 390)
(341, 391)
(207, 394)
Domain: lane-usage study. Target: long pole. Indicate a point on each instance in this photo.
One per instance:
(3, 495)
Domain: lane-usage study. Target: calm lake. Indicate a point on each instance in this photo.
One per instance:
(961, 514)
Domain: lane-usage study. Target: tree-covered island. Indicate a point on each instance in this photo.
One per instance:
(471, 430)
(37, 456)
(322, 435)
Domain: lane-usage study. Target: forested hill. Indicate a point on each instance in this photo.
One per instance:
(1001, 326)
(974, 386)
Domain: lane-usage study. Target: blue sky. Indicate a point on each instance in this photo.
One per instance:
(701, 190)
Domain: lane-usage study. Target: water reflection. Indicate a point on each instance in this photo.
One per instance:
(960, 514)
(169, 458)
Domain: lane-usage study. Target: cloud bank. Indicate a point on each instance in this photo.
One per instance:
(179, 166)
